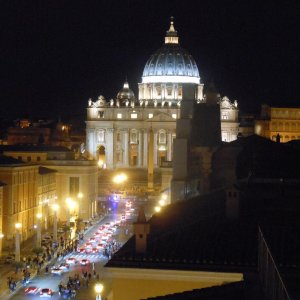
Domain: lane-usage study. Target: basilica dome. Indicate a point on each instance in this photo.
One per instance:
(171, 63)
(125, 93)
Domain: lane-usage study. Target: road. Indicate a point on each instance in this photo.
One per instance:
(97, 262)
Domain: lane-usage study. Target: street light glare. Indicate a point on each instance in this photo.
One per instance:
(39, 216)
(162, 202)
(18, 225)
(1, 235)
(157, 208)
(80, 195)
(120, 178)
(55, 207)
(98, 288)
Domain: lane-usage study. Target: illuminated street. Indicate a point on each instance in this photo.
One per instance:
(97, 261)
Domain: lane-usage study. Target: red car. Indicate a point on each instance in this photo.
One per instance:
(31, 290)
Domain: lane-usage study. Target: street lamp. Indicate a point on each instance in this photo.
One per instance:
(70, 205)
(98, 289)
(39, 231)
(18, 254)
(55, 208)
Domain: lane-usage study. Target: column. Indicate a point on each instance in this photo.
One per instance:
(155, 149)
(145, 148)
(109, 148)
(18, 226)
(140, 149)
(39, 231)
(169, 145)
(55, 224)
(126, 142)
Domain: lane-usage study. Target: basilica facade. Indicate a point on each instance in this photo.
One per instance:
(117, 130)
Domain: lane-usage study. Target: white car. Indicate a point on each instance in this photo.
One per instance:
(71, 261)
(57, 271)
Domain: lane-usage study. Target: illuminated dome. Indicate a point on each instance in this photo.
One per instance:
(125, 93)
(171, 63)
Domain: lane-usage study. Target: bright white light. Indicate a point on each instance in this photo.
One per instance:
(18, 225)
(99, 288)
(164, 196)
(157, 208)
(150, 116)
(174, 116)
(161, 202)
(119, 116)
(1, 235)
(162, 148)
(179, 79)
(133, 116)
(120, 178)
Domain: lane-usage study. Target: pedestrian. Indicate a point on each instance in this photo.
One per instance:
(90, 276)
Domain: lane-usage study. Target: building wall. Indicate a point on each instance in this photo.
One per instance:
(27, 156)
(283, 121)
(74, 177)
(135, 284)
(46, 195)
(20, 203)
(112, 128)
(1, 216)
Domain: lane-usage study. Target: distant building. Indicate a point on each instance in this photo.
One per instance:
(279, 123)
(118, 130)
(75, 178)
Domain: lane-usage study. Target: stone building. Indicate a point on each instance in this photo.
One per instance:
(117, 131)
(281, 121)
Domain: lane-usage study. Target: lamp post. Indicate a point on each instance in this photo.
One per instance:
(17, 250)
(55, 208)
(80, 206)
(1, 237)
(98, 289)
(69, 202)
(39, 231)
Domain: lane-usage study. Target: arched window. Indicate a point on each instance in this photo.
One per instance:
(100, 136)
(162, 138)
(101, 150)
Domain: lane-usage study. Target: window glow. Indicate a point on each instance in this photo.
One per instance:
(150, 116)
(133, 116)
(119, 116)
(182, 79)
(174, 116)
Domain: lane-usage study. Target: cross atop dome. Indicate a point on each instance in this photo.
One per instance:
(171, 37)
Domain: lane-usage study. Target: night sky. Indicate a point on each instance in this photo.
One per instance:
(55, 54)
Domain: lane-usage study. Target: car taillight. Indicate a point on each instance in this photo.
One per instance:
(49, 292)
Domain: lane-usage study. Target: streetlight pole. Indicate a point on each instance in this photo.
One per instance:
(55, 208)
(39, 231)
(1, 237)
(17, 250)
(98, 289)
